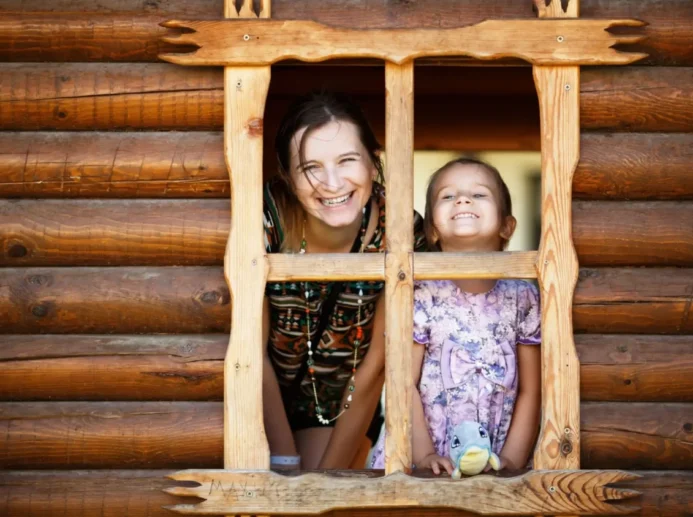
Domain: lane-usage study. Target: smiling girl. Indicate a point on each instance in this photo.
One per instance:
(475, 341)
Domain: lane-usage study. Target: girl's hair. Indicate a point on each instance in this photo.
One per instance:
(312, 112)
(506, 206)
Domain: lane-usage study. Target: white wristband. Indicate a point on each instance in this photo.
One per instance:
(285, 460)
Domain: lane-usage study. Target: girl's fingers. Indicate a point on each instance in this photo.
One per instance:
(448, 465)
(435, 468)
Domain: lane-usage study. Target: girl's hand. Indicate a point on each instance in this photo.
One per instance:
(435, 463)
(502, 463)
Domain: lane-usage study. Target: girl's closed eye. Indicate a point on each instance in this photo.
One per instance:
(479, 195)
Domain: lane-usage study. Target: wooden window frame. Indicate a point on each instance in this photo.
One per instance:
(556, 47)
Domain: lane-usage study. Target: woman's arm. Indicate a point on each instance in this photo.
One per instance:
(351, 427)
(279, 436)
(524, 425)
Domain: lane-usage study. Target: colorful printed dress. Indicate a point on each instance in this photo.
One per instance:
(469, 369)
(334, 353)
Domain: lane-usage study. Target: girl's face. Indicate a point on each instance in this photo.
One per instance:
(466, 211)
(335, 181)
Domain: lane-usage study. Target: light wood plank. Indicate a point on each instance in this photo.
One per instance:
(454, 266)
(535, 492)
(558, 89)
(545, 42)
(399, 280)
(245, 269)
(288, 267)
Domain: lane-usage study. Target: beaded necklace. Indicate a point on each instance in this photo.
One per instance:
(359, 333)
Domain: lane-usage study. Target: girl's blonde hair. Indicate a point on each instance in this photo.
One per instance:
(505, 205)
(312, 112)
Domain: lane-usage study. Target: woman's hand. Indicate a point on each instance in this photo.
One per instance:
(436, 463)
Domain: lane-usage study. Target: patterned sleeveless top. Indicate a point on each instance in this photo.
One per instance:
(334, 350)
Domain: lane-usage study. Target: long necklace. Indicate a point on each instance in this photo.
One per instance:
(357, 341)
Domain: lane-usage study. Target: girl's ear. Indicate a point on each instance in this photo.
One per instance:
(508, 227)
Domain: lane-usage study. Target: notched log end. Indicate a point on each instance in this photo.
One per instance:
(186, 39)
(617, 38)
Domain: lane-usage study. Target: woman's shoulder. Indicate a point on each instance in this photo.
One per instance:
(270, 217)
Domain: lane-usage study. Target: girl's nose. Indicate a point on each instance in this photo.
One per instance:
(463, 199)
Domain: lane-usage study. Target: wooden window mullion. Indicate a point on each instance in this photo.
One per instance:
(399, 281)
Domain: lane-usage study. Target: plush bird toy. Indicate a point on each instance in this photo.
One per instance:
(470, 449)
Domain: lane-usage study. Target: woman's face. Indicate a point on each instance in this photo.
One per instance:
(335, 180)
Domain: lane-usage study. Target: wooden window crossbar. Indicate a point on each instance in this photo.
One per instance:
(555, 46)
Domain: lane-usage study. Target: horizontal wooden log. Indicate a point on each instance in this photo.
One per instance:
(194, 232)
(634, 166)
(86, 367)
(635, 368)
(175, 300)
(638, 301)
(139, 493)
(637, 99)
(191, 164)
(74, 435)
(612, 434)
(59, 32)
(190, 367)
(161, 96)
(112, 96)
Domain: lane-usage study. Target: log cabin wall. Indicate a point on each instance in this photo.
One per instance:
(113, 222)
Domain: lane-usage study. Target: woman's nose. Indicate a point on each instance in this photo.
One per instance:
(333, 180)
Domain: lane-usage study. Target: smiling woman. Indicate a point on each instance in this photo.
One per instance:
(324, 362)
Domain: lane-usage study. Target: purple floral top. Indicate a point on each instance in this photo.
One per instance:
(469, 369)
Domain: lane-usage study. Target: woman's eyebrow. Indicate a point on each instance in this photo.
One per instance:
(349, 153)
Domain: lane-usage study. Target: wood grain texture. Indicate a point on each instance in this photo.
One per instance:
(193, 232)
(190, 367)
(558, 445)
(133, 435)
(450, 266)
(541, 42)
(642, 166)
(637, 99)
(531, 493)
(399, 278)
(118, 368)
(113, 96)
(635, 368)
(245, 267)
(191, 300)
(613, 435)
(139, 493)
(669, 30)
(613, 166)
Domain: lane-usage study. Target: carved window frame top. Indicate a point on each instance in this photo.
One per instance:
(247, 44)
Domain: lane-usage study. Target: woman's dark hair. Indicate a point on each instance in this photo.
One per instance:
(312, 112)
(505, 203)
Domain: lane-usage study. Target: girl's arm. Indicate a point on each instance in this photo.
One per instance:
(423, 451)
(279, 436)
(352, 426)
(524, 425)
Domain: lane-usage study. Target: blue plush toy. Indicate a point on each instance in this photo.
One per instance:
(470, 449)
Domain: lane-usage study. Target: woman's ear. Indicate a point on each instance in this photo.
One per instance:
(508, 227)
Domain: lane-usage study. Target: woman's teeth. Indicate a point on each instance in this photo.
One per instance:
(335, 200)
